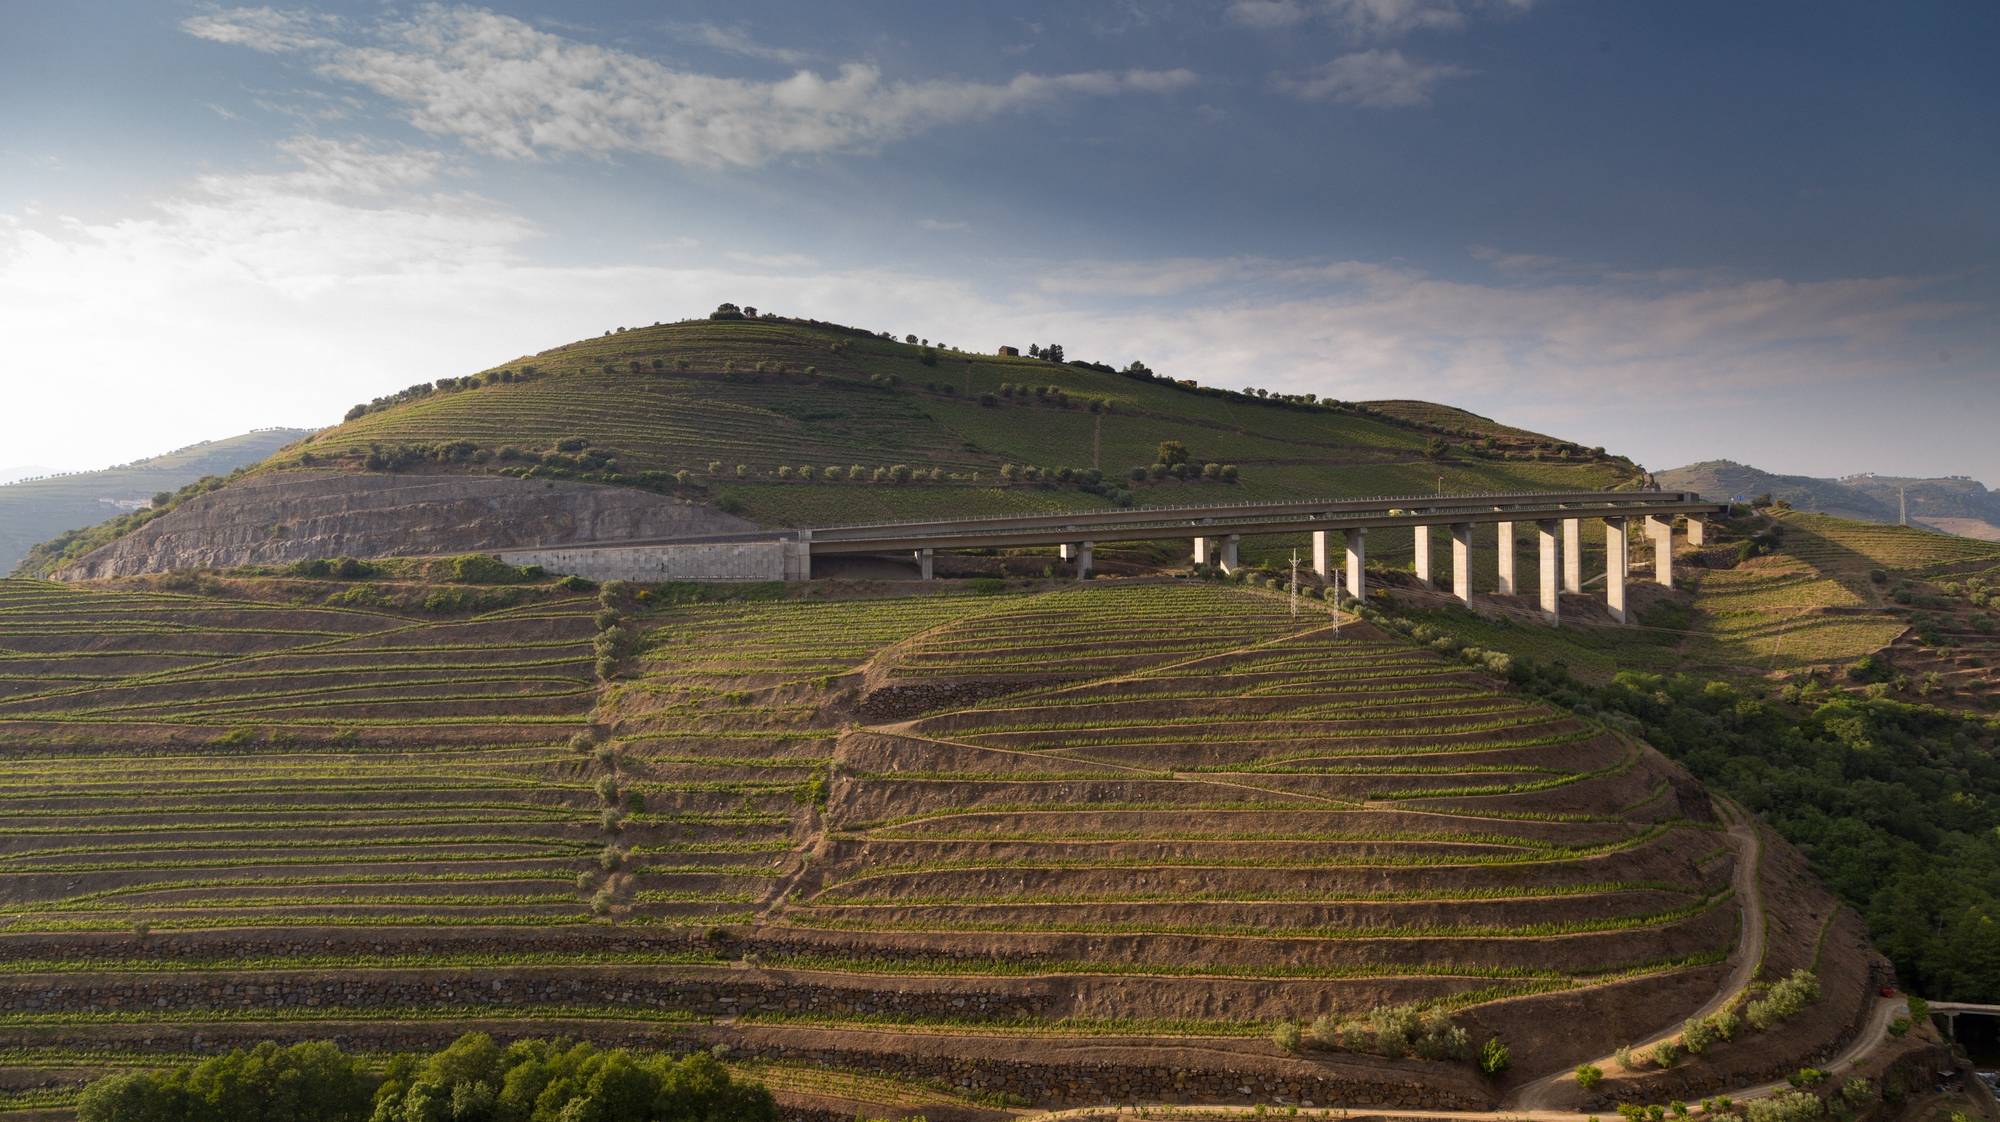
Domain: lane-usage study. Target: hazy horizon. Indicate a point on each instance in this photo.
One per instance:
(1685, 233)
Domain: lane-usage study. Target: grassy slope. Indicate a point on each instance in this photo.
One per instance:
(671, 420)
(40, 509)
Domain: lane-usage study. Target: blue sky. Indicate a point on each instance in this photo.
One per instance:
(1690, 230)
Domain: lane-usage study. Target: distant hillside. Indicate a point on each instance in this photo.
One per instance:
(1954, 504)
(35, 510)
(778, 422)
(1727, 479)
(1958, 504)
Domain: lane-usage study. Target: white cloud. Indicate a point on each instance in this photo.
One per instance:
(1378, 79)
(737, 41)
(1268, 15)
(942, 225)
(509, 89)
(1371, 19)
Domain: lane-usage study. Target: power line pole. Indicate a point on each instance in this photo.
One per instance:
(1295, 582)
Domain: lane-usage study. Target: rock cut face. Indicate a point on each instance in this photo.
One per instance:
(300, 516)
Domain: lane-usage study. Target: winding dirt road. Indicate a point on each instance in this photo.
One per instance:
(1745, 960)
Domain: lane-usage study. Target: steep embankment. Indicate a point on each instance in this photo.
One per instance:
(284, 516)
(37, 510)
(786, 424)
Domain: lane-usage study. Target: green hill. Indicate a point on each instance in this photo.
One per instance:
(35, 510)
(793, 423)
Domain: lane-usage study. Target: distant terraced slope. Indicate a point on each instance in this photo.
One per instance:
(36, 510)
(1068, 839)
(791, 424)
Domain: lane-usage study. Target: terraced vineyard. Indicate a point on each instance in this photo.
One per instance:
(1022, 844)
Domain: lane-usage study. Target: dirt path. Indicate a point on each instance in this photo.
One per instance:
(1746, 959)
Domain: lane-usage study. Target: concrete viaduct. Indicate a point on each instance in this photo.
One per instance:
(1214, 530)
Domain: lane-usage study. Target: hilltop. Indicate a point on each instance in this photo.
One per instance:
(726, 424)
(39, 509)
(1954, 504)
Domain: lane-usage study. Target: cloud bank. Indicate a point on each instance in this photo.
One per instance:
(506, 88)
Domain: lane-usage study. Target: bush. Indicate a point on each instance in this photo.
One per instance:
(1288, 1037)
(1493, 1056)
(1784, 999)
(1588, 1076)
(482, 568)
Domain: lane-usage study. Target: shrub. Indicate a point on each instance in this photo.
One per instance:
(1588, 1076)
(1493, 1056)
(1287, 1036)
(1784, 999)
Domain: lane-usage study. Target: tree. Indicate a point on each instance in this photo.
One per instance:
(1053, 352)
(1171, 452)
(727, 311)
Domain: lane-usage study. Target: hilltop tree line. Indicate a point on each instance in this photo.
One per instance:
(473, 1080)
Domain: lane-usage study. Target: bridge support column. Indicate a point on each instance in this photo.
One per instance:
(1229, 562)
(1697, 529)
(799, 557)
(1505, 587)
(1422, 541)
(1204, 551)
(1615, 564)
(1662, 533)
(1357, 564)
(1572, 551)
(1461, 561)
(1083, 560)
(1551, 556)
(1322, 555)
(1066, 551)
(924, 564)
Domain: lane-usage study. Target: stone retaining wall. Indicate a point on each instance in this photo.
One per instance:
(643, 990)
(706, 561)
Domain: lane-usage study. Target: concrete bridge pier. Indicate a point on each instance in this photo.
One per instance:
(1506, 586)
(1422, 542)
(1572, 554)
(1615, 565)
(1204, 551)
(1461, 561)
(1697, 529)
(1083, 551)
(1357, 564)
(924, 571)
(1066, 551)
(1551, 570)
(1229, 562)
(1322, 555)
(1662, 533)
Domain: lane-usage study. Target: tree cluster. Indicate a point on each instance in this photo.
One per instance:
(473, 1080)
